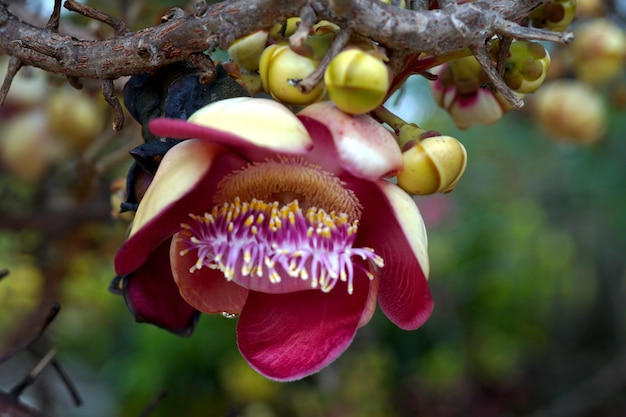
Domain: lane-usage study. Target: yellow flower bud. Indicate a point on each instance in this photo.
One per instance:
(357, 82)
(27, 147)
(571, 111)
(432, 165)
(599, 51)
(280, 67)
(285, 29)
(246, 52)
(75, 117)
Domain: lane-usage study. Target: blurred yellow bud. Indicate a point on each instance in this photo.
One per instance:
(599, 51)
(590, 8)
(75, 117)
(357, 82)
(27, 148)
(571, 110)
(281, 68)
(432, 165)
(246, 52)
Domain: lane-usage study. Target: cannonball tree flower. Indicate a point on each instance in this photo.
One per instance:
(286, 222)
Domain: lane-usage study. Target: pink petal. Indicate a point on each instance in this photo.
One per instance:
(183, 184)
(152, 295)
(364, 147)
(205, 289)
(392, 225)
(254, 127)
(290, 336)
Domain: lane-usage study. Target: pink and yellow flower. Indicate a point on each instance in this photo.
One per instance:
(286, 222)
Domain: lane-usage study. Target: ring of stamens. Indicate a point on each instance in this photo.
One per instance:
(269, 240)
(288, 179)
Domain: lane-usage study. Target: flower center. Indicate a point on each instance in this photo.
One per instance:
(288, 179)
(268, 240)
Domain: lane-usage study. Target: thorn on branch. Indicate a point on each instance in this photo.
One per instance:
(511, 29)
(119, 26)
(42, 48)
(308, 84)
(108, 91)
(172, 14)
(75, 82)
(199, 7)
(14, 66)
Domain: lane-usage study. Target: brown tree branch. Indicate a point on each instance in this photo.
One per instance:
(434, 32)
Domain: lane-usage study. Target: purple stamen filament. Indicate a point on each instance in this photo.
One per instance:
(263, 239)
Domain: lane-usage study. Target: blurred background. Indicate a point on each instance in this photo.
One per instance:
(528, 272)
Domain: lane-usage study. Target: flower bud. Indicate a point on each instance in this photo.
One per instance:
(571, 110)
(599, 51)
(357, 82)
(458, 90)
(75, 117)
(526, 67)
(432, 165)
(246, 52)
(27, 148)
(555, 15)
(280, 68)
(285, 29)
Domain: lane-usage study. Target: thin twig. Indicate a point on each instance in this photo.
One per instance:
(119, 27)
(17, 390)
(297, 41)
(308, 84)
(154, 402)
(55, 17)
(498, 83)
(14, 66)
(108, 91)
(52, 313)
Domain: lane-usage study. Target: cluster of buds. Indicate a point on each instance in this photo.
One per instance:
(45, 132)
(461, 86)
(357, 79)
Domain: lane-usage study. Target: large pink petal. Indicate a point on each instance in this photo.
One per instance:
(364, 147)
(289, 336)
(256, 128)
(392, 225)
(152, 296)
(206, 289)
(184, 184)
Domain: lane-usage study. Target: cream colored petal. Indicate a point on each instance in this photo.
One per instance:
(261, 122)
